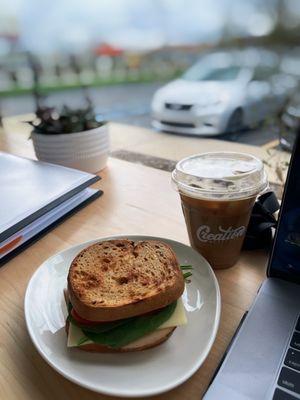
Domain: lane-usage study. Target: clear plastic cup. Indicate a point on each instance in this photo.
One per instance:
(217, 192)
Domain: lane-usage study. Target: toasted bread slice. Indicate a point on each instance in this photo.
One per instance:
(147, 342)
(118, 279)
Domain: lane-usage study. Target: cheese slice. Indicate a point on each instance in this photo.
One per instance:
(178, 318)
(75, 335)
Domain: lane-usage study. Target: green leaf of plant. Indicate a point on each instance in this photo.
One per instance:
(50, 120)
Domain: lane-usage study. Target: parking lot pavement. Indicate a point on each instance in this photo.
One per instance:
(128, 103)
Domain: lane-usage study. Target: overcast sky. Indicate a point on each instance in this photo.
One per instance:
(49, 25)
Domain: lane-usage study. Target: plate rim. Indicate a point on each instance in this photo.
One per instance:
(146, 393)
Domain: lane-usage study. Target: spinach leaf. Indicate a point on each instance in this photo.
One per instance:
(132, 330)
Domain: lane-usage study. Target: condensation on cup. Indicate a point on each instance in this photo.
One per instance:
(217, 192)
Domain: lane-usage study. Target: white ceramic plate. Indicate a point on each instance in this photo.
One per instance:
(143, 373)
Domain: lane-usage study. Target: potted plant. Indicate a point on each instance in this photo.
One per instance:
(73, 138)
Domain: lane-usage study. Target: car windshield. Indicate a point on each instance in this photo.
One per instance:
(196, 73)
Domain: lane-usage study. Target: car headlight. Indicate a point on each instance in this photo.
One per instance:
(215, 107)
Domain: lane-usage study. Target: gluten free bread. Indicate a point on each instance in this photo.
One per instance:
(118, 279)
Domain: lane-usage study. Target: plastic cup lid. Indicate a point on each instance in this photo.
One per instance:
(220, 175)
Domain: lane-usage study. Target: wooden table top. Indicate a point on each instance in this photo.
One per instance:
(136, 200)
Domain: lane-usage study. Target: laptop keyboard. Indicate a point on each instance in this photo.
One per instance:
(289, 377)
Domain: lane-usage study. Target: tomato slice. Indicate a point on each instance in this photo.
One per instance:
(83, 321)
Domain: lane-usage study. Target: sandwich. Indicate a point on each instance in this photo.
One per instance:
(124, 296)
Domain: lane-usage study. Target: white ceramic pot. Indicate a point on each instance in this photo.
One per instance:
(87, 150)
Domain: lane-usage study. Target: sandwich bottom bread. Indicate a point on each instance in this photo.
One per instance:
(123, 296)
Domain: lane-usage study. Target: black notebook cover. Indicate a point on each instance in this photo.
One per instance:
(29, 189)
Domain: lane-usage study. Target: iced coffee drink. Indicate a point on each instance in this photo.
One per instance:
(217, 193)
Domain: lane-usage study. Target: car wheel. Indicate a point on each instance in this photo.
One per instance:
(236, 121)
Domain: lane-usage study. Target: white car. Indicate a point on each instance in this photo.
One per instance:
(224, 92)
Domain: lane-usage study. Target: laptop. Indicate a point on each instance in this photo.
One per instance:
(263, 359)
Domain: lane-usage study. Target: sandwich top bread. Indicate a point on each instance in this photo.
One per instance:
(121, 295)
(119, 279)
